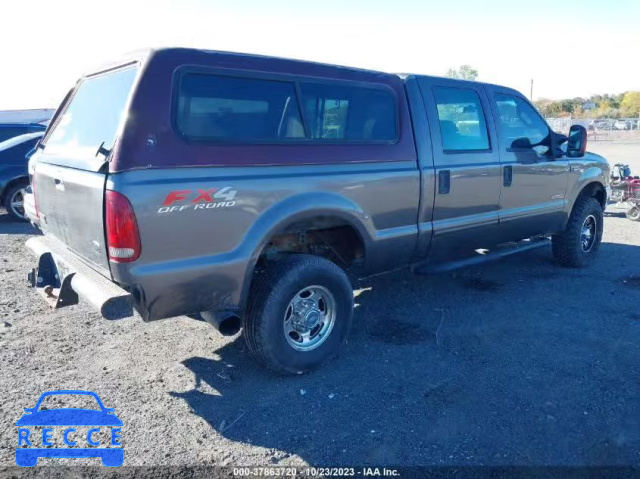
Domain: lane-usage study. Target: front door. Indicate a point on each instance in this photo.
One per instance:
(467, 167)
(534, 182)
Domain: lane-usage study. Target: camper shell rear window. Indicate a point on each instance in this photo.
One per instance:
(92, 115)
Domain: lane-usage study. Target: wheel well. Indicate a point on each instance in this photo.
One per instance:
(597, 191)
(329, 237)
(8, 186)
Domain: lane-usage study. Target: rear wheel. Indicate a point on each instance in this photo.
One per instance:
(299, 313)
(634, 213)
(576, 246)
(14, 200)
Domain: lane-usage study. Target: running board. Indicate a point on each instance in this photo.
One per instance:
(498, 253)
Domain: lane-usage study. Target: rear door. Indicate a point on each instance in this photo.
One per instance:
(467, 167)
(70, 171)
(532, 200)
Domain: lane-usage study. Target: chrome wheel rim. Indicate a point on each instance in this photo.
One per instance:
(588, 235)
(16, 203)
(309, 318)
(634, 213)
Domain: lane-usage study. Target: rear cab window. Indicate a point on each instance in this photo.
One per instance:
(92, 116)
(230, 109)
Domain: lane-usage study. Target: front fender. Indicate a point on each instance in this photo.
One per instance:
(298, 208)
(589, 175)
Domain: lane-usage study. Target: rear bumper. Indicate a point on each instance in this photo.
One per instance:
(62, 279)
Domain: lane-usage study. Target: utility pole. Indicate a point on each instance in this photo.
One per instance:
(531, 92)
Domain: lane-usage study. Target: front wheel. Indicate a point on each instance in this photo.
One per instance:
(299, 313)
(578, 244)
(634, 214)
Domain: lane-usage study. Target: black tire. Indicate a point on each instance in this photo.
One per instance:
(634, 214)
(9, 194)
(271, 293)
(567, 246)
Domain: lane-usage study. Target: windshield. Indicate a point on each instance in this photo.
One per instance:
(93, 114)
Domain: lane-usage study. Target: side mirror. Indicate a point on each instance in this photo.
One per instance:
(577, 143)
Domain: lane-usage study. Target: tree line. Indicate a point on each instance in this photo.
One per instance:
(624, 105)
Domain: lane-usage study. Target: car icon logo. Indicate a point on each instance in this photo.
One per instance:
(32, 445)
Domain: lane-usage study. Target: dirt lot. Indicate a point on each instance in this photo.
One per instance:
(618, 152)
(519, 362)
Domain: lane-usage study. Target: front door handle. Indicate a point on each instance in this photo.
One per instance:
(507, 175)
(444, 182)
(59, 184)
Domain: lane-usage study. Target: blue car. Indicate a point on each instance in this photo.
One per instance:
(28, 457)
(14, 176)
(11, 130)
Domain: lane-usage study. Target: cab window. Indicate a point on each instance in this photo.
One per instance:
(462, 121)
(520, 126)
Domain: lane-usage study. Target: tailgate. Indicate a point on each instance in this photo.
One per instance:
(70, 203)
(69, 170)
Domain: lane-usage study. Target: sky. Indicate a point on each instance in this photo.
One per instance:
(568, 47)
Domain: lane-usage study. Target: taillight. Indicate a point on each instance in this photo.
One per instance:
(123, 238)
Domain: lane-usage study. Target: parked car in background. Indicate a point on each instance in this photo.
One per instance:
(11, 130)
(622, 125)
(604, 125)
(14, 177)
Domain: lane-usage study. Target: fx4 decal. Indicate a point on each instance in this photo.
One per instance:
(198, 199)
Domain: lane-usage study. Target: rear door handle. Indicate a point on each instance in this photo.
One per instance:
(59, 184)
(507, 175)
(444, 182)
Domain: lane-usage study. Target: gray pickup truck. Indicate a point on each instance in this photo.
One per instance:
(251, 191)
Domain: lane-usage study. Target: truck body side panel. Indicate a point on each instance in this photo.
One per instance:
(198, 251)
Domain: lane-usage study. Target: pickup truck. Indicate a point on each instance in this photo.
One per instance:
(253, 191)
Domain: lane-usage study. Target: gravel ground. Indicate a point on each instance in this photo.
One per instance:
(519, 362)
(617, 152)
